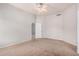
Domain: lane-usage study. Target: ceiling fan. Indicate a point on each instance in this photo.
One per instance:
(41, 7)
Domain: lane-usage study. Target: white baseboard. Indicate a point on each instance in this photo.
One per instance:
(13, 43)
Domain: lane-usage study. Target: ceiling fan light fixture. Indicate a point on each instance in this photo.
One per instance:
(41, 8)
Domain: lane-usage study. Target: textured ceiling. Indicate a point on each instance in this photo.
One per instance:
(52, 7)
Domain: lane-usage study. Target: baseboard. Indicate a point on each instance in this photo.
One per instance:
(13, 43)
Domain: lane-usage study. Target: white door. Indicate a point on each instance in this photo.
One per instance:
(37, 30)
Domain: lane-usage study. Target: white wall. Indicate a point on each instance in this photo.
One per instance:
(78, 28)
(53, 27)
(70, 21)
(15, 25)
(61, 27)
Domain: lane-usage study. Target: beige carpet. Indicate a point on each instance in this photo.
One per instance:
(40, 47)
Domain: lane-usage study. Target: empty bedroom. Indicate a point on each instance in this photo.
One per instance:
(39, 29)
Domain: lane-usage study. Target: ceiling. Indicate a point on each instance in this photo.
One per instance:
(52, 7)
